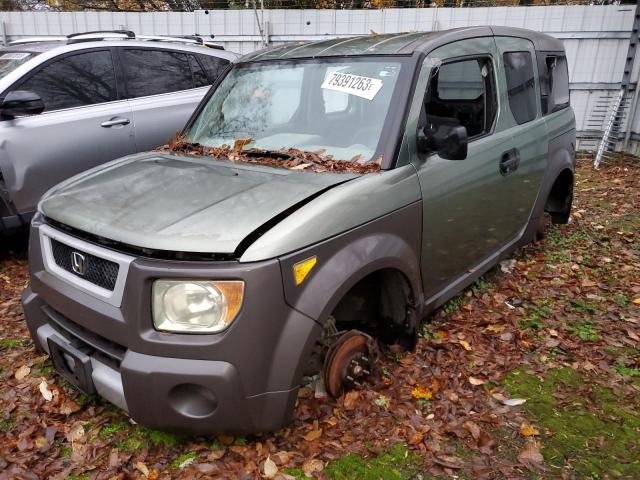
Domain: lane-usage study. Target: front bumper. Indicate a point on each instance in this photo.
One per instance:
(239, 381)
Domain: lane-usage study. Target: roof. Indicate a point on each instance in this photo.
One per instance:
(396, 43)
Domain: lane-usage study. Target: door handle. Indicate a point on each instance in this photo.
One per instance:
(114, 122)
(509, 162)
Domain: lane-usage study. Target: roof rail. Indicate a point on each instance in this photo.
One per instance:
(100, 35)
(127, 33)
(22, 41)
(122, 35)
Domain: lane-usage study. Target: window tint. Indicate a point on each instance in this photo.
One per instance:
(214, 66)
(462, 94)
(152, 72)
(554, 83)
(199, 77)
(521, 88)
(74, 81)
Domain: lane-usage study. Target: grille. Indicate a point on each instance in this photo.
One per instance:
(98, 271)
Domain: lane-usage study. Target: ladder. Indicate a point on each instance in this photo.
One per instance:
(617, 114)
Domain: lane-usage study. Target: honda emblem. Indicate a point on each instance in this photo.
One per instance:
(78, 263)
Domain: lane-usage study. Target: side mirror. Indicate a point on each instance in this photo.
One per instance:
(447, 141)
(21, 103)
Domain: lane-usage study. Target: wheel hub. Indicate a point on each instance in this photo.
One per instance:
(348, 362)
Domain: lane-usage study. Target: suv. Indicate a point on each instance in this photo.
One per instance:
(70, 103)
(323, 199)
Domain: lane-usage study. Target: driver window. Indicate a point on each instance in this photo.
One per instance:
(461, 93)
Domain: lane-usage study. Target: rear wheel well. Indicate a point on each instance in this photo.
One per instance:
(560, 197)
(382, 304)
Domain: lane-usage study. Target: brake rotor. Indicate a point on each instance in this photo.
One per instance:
(348, 362)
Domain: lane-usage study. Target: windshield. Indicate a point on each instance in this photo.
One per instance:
(337, 108)
(11, 60)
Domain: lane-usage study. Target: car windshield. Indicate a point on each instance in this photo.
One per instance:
(337, 108)
(9, 61)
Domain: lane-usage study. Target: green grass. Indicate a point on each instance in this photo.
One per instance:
(626, 371)
(8, 343)
(592, 430)
(396, 464)
(584, 330)
(185, 457)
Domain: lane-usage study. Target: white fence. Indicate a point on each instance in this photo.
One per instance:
(596, 37)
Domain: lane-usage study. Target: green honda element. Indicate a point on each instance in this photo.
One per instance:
(321, 201)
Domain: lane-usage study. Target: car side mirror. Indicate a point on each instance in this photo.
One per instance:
(447, 141)
(20, 103)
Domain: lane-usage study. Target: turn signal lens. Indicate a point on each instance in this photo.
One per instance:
(196, 306)
(303, 268)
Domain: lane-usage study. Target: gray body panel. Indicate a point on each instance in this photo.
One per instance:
(39, 151)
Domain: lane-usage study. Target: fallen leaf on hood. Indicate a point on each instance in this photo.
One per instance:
(44, 390)
(476, 381)
(530, 455)
(270, 469)
(311, 466)
(22, 372)
(527, 430)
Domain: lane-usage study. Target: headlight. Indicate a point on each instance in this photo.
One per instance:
(195, 306)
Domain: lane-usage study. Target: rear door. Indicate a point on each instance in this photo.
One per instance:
(163, 87)
(84, 124)
(522, 115)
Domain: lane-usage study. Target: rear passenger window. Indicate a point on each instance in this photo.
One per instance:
(521, 85)
(74, 81)
(554, 83)
(214, 66)
(152, 72)
(462, 94)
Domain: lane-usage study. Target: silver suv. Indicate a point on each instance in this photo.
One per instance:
(70, 103)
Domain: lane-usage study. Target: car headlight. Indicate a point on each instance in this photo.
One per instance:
(198, 306)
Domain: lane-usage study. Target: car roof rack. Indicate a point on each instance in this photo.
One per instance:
(23, 41)
(100, 35)
(122, 35)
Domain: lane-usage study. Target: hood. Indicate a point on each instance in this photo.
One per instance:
(176, 203)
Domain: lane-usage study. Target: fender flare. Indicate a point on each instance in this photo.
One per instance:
(560, 159)
(390, 242)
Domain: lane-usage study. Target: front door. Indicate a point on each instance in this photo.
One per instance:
(468, 212)
(83, 125)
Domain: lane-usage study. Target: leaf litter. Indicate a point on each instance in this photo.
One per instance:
(463, 429)
(290, 158)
